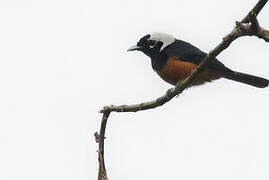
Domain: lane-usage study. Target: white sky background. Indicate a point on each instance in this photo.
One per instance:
(62, 60)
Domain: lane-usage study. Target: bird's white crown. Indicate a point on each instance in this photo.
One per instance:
(166, 39)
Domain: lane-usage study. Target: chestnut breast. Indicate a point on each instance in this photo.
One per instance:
(175, 70)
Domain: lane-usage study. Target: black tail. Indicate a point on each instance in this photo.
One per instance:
(247, 79)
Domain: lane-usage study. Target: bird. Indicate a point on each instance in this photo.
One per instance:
(174, 60)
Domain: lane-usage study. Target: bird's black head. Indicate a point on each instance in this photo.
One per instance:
(152, 44)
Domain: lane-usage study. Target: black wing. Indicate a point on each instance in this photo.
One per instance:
(189, 53)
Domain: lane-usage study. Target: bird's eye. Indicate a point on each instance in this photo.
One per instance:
(151, 42)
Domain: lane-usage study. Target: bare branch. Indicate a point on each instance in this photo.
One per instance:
(263, 34)
(256, 29)
(249, 26)
(256, 10)
(100, 138)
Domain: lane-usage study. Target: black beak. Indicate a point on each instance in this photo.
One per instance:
(133, 48)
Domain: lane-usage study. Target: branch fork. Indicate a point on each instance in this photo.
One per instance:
(252, 28)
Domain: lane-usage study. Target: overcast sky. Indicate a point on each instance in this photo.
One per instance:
(61, 61)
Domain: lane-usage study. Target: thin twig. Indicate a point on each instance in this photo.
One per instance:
(100, 138)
